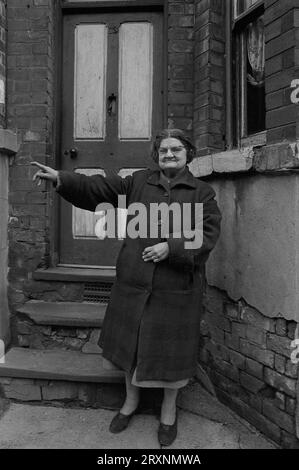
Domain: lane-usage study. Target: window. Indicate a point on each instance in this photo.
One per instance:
(248, 74)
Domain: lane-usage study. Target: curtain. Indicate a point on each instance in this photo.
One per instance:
(256, 52)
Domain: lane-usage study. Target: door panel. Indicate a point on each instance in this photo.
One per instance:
(112, 105)
(90, 81)
(84, 222)
(136, 78)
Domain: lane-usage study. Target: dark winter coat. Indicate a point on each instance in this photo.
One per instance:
(153, 317)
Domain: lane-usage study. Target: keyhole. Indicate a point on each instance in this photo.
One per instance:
(112, 104)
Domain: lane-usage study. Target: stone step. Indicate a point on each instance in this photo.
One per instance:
(75, 274)
(69, 378)
(67, 366)
(64, 314)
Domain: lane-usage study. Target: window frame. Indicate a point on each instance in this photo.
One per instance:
(238, 112)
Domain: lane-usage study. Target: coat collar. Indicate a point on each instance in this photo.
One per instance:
(186, 179)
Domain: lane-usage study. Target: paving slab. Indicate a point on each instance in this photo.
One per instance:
(40, 427)
(211, 426)
(197, 432)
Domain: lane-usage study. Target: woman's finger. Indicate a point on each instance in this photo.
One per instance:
(36, 175)
(39, 165)
(147, 250)
(147, 257)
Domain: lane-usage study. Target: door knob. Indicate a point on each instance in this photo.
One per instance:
(73, 153)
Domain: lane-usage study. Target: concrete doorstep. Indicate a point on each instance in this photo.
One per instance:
(210, 426)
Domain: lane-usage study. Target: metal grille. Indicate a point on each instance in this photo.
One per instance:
(97, 292)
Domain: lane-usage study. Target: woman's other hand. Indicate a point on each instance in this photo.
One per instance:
(44, 173)
(156, 253)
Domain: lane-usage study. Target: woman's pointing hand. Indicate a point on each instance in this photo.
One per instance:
(44, 173)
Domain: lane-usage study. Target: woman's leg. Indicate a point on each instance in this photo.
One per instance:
(168, 409)
(132, 396)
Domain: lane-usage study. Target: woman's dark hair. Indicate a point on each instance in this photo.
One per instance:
(175, 134)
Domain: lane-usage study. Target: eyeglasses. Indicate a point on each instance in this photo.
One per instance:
(173, 150)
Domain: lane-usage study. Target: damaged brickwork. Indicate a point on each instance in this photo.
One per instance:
(248, 358)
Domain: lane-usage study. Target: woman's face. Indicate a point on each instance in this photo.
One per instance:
(172, 155)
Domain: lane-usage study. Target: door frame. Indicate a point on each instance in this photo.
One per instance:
(76, 8)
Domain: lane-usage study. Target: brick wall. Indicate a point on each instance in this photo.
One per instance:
(248, 358)
(2, 62)
(209, 103)
(29, 111)
(180, 63)
(296, 22)
(281, 58)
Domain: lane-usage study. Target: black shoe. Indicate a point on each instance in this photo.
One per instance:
(167, 433)
(120, 422)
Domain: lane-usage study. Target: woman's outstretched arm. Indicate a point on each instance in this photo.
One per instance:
(83, 191)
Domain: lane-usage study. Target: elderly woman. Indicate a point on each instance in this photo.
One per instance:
(151, 326)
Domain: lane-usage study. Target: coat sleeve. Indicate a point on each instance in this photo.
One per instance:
(86, 192)
(209, 231)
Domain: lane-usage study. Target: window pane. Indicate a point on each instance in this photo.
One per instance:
(255, 76)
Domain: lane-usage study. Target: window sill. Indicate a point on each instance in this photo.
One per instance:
(231, 161)
(277, 158)
(9, 145)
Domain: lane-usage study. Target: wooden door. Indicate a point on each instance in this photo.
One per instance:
(112, 105)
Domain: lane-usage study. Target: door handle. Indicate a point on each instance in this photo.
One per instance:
(111, 104)
(73, 153)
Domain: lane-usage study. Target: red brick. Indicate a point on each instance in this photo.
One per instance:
(273, 30)
(280, 44)
(280, 382)
(279, 344)
(280, 363)
(181, 46)
(280, 134)
(289, 441)
(277, 10)
(237, 359)
(273, 65)
(252, 384)
(254, 352)
(279, 417)
(262, 423)
(180, 98)
(254, 368)
(290, 406)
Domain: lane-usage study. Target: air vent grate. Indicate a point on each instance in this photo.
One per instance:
(97, 292)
